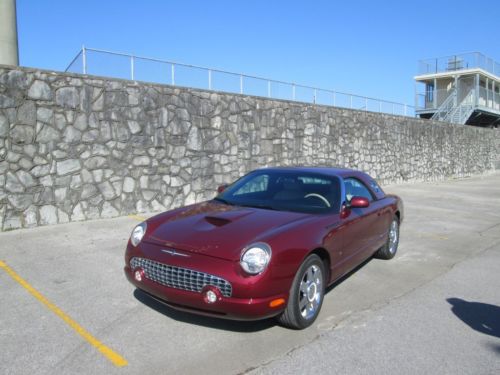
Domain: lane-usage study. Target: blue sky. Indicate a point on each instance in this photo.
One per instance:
(365, 47)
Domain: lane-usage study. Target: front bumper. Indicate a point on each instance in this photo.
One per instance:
(195, 302)
(247, 298)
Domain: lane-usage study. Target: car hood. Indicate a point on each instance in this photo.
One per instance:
(219, 230)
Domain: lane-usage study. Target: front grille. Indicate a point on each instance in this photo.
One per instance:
(180, 278)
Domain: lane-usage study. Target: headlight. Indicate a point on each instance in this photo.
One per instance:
(138, 233)
(255, 258)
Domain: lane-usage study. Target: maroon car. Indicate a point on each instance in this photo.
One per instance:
(266, 245)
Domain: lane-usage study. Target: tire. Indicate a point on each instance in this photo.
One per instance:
(388, 251)
(306, 294)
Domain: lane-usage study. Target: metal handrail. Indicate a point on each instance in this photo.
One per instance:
(74, 59)
(83, 52)
(445, 108)
(464, 109)
(454, 62)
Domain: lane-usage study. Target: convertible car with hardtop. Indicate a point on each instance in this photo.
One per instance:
(267, 245)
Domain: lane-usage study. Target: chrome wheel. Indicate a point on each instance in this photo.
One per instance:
(306, 294)
(393, 237)
(388, 251)
(310, 292)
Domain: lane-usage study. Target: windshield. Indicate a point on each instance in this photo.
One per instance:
(285, 191)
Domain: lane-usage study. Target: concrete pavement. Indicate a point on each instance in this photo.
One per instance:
(451, 325)
(388, 316)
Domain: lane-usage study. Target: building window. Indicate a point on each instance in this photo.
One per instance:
(429, 92)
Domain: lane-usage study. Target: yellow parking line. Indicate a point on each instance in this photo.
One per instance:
(112, 356)
(137, 217)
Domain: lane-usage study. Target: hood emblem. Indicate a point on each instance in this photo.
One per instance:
(174, 253)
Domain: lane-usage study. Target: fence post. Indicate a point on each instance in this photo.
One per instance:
(490, 94)
(84, 59)
(132, 67)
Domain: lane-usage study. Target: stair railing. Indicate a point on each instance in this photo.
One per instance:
(446, 107)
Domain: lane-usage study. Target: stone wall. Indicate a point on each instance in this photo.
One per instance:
(75, 147)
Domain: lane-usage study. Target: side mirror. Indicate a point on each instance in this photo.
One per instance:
(221, 188)
(359, 202)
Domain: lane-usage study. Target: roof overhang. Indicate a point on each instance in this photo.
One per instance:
(453, 73)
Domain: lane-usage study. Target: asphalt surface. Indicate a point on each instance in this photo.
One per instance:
(435, 308)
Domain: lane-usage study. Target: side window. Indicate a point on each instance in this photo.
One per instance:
(376, 187)
(255, 185)
(354, 187)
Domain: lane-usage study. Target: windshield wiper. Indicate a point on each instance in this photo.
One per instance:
(223, 201)
(255, 205)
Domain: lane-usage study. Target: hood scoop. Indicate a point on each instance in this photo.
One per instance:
(217, 221)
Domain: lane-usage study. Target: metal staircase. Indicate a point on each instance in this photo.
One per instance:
(459, 114)
(464, 110)
(445, 108)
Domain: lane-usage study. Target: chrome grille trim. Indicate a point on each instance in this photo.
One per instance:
(180, 278)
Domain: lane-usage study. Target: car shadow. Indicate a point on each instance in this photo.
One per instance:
(205, 321)
(347, 275)
(219, 323)
(494, 347)
(481, 317)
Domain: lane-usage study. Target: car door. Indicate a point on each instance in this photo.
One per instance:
(359, 225)
(384, 213)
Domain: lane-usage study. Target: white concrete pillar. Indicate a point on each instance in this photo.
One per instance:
(435, 94)
(487, 92)
(9, 54)
(477, 88)
(455, 100)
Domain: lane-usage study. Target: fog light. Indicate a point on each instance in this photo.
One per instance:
(139, 274)
(211, 296)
